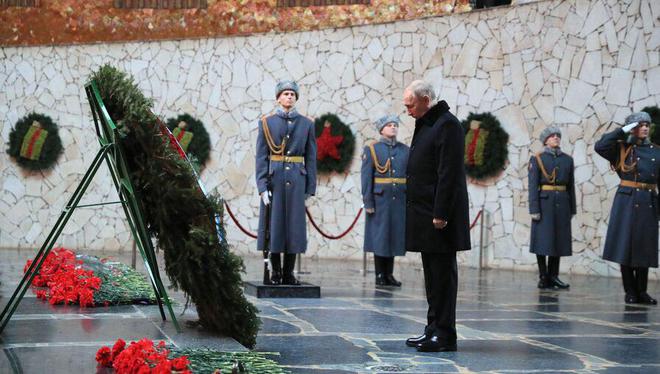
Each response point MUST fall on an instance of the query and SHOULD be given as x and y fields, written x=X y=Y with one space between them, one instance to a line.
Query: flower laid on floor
x=141 y=357
x=66 y=280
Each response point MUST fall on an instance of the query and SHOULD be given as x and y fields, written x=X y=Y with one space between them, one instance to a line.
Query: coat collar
x=433 y=114
x=387 y=141
x=634 y=140
x=287 y=115
x=552 y=151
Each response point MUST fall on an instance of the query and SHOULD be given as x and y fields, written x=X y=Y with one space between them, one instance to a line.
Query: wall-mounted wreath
x=34 y=142
x=192 y=136
x=335 y=144
x=485 y=146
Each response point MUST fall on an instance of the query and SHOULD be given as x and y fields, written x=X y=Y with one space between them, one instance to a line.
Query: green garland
x=345 y=148
x=178 y=214
x=195 y=139
x=486 y=151
x=654 y=112
x=35 y=143
x=204 y=360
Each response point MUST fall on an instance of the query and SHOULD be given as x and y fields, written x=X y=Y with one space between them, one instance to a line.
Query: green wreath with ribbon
x=192 y=136
x=335 y=144
x=654 y=112
x=35 y=143
x=485 y=146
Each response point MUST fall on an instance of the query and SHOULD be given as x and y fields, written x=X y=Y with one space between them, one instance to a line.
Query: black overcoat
x=437 y=186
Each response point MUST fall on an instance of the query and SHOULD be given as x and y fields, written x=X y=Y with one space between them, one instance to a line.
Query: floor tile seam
x=589 y=361
x=98 y=343
x=73 y=316
x=600 y=323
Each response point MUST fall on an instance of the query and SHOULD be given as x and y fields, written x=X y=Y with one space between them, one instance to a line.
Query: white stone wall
x=577 y=63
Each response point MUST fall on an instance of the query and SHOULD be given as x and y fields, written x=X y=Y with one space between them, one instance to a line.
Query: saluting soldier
x=384 y=197
x=552 y=205
x=632 y=233
x=286 y=176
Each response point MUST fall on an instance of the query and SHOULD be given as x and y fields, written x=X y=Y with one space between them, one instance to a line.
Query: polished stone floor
x=504 y=323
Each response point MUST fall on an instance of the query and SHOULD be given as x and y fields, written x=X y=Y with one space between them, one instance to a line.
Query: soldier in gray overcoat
x=384 y=197
x=552 y=205
x=286 y=176
x=632 y=233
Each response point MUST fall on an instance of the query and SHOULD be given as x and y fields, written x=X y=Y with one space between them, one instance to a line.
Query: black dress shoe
x=412 y=342
x=391 y=281
x=556 y=282
x=645 y=298
x=381 y=280
x=433 y=344
x=631 y=299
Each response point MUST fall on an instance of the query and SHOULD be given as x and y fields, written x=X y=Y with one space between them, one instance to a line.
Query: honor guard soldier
x=384 y=197
x=632 y=232
x=552 y=205
x=286 y=177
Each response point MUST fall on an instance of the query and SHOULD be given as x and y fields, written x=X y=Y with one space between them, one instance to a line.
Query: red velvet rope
x=476 y=219
x=333 y=237
x=233 y=218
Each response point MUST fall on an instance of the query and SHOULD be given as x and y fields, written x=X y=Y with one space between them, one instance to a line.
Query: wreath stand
x=111 y=153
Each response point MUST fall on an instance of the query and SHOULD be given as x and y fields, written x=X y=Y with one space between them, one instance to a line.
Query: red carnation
x=104 y=357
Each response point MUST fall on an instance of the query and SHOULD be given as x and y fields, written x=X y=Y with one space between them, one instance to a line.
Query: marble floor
x=505 y=325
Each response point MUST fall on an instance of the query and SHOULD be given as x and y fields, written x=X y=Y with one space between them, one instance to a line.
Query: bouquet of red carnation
x=141 y=357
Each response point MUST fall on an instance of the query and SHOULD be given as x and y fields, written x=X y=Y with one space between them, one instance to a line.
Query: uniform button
x=652 y=159
x=636 y=205
x=638 y=158
x=637 y=189
x=650 y=206
x=393 y=171
x=393 y=197
x=287 y=168
x=634 y=145
x=288 y=183
x=288 y=152
x=287 y=136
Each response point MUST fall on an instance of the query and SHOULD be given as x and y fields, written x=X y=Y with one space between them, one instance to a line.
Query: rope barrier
x=316 y=226
x=476 y=219
x=333 y=237
x=233 y=218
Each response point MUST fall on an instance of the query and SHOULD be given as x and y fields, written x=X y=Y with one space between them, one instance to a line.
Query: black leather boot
x=629 y=285
x=553 y=271
x=380 y=267
x=642 y=278
x=289 y=265
x=544 y=281
x=276 y=272
x=389 y=265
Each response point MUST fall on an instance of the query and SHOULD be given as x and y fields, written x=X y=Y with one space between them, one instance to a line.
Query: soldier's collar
x=293 y=113
x=388 y=141
x=553 y=151
x=634 y=140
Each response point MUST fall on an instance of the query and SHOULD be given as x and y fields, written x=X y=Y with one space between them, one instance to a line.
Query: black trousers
x=635 y=279
x=441 y=281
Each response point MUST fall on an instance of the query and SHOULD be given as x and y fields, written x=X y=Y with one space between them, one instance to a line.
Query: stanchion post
x=482 y=237
x=364 y=264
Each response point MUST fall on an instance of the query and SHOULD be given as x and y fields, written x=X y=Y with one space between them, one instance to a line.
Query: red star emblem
x=327 y=143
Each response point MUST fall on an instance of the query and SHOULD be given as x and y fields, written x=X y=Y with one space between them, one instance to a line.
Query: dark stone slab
x=357 y=321
x=549 y=327
x=628 y=351
x=273 y=326
x=312 y=350
x=356 y=292
x=496 y=355
x=82 y=330
x=650 y=316
x=585 y=307
x=75 y=359
x=317 y=371
x=32 y=305
x=259 y=290
x=501 y=314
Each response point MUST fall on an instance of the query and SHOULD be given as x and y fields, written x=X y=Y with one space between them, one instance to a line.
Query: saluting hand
x=439 y=223
x=629 y=127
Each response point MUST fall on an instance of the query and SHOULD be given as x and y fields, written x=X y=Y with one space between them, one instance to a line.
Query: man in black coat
x=436 y=210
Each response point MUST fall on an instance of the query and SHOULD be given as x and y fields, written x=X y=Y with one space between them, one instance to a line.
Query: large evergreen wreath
x=335 y=144
x=485 y=146
x=179 y=214
x=192 y=136
x=654 y=112
x=34 y=142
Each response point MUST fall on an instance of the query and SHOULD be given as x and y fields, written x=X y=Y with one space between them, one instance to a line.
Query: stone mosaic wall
x=578 y=64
